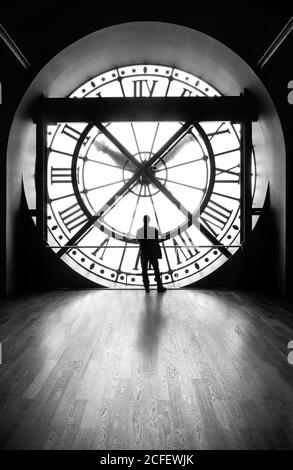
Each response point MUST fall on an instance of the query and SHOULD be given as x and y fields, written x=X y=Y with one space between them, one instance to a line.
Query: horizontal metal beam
x=223 y=108
x=137 y=246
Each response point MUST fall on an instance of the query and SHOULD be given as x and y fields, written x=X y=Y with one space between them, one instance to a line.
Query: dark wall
x=14 y=81
x=43 y=30
x=276 y=75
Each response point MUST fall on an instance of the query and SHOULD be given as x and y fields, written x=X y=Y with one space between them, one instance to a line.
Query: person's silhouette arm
x=159 y=236
x=137 y=238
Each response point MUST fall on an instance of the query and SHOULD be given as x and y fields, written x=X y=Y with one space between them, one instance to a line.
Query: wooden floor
x=189 y=369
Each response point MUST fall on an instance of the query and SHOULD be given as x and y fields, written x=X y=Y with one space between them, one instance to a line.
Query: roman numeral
x=219 y=131
x=136 y=261
x=187 y=242
x=73 y=217
x=186 y=92
x=228 y=171
x=103 y=246
x=215 y=216
x=73 y=133
x=144 y=87
x=60 y=175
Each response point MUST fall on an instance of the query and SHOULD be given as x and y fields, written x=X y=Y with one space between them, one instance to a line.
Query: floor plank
x=189 y=369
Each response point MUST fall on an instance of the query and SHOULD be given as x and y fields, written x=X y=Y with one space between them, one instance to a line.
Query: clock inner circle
x=144 y=187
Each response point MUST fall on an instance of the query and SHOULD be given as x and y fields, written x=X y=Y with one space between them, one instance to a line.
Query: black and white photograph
x=146 y=239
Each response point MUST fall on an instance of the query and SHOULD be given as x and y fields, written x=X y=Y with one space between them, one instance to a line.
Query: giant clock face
x=190 y=188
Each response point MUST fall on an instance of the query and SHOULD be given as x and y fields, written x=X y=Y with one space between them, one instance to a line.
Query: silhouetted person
x=150 y=252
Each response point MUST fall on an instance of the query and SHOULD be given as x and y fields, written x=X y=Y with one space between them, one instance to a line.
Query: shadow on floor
x=152 y=322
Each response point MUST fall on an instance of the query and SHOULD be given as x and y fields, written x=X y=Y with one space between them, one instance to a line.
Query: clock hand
x=177 y=137
x=157 y=156
x=174 y=139
x=198 y=159
x=131 y=182
x=190 y=217
x=169 y=148
x=174 y=149
x=92 y=219
x=144 y=169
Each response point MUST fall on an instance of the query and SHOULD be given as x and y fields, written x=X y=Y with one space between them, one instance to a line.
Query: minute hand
x=180 y=133
x=186 y=212
x=91 y=220
x=141 y=169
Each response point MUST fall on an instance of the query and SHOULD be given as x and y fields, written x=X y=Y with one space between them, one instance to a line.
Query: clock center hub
x=144 y=180
x=145 y=187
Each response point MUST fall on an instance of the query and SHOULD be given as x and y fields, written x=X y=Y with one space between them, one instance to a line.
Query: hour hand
x=178 y=136
x=174 y=149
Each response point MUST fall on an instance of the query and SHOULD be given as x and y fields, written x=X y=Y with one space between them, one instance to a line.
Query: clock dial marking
x=60 y=175
x=73 y=217
x=144 y=87
x=103 y=246
x=73 y=133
